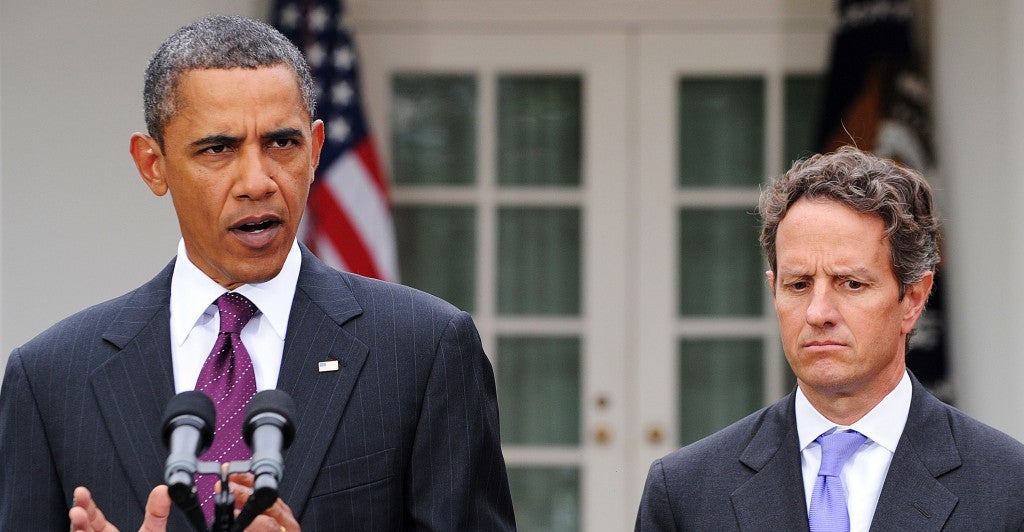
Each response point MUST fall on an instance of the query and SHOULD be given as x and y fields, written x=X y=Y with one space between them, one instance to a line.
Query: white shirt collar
x=882 y=425
x=193 y=294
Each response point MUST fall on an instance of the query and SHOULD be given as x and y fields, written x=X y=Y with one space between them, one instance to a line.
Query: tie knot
x=836 y=449
x=235 y=312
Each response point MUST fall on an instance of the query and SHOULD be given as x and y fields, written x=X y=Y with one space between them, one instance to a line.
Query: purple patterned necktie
x=227 y=377
x=828 y=511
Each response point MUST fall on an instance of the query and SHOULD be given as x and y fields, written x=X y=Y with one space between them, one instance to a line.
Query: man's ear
x=318 y=143
x=914 y=300
x=770 y=277
x=148 y=159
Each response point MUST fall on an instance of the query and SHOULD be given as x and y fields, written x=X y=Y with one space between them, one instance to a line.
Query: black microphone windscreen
x=191 y=403
x=272 y=402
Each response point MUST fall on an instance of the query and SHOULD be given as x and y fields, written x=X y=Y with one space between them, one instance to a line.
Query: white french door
x=511 y=191
x=744 y=108
x=586 y=191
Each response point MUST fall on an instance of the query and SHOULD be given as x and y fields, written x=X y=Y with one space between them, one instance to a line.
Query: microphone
x=268 y=430
x=188 y=426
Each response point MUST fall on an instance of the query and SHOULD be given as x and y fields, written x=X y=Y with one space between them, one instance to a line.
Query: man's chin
x=251 y=271
x=827 y=381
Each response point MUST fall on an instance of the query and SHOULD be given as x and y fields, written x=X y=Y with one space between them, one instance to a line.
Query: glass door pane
x=721 y=131
x=539 y=390
x=720 y=381
x=437 y=251
x=720 y=261
x=433 y=129
x=538 y=261
x=547 y=498
x=803 y=93
x=539 y=130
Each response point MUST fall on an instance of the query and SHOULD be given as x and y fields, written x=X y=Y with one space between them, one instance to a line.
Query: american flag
x=348 y=219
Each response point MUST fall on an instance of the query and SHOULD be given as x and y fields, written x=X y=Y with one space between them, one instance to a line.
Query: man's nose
x=822 y=310
x=255 y=178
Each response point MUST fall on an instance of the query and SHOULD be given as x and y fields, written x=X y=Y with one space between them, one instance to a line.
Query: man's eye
x=219 y=148
x=854 y=285
x=283 y=143
x=798 y=285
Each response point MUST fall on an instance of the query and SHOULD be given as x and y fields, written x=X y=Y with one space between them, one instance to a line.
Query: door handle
x=655 y=435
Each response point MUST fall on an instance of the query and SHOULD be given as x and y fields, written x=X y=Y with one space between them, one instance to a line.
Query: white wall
x=979 y=76
x=78 y=225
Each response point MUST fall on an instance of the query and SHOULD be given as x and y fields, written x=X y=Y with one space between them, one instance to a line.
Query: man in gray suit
x=396 y=425
x=851 y=241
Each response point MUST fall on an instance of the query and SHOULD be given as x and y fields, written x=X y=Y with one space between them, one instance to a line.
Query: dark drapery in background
x=876 y=97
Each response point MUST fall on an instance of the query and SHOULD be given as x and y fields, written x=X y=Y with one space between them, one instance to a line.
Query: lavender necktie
x=227 y=377
x=828 y=511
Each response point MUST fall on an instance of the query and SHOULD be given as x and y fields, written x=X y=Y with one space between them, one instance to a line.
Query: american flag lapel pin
x=327 y=365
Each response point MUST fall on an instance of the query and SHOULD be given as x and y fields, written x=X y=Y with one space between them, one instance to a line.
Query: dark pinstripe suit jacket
x=403 y=436
x=949 y=472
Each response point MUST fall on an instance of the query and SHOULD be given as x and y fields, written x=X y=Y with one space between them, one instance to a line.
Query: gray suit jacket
x=403 y=436
x=949 y=472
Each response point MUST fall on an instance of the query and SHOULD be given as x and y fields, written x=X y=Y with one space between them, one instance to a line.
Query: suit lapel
x=912 y=498
x=133 y=386
x=323 y=303
x=773 y=499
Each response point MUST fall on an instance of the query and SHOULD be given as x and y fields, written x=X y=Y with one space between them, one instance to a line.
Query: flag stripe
x=340 y=234
x=349 y=223
x=368 y=212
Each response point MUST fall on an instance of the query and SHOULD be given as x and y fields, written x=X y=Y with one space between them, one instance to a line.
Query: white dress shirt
x=195 y=320
x=864 y=473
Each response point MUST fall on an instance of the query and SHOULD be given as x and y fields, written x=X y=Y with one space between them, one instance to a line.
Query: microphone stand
x=269 y=410
x=224 y=502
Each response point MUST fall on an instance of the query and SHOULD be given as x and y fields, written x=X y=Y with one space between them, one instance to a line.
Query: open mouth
x=257 y=227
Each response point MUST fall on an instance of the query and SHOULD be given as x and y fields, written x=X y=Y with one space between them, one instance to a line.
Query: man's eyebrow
x=792 y=272
x=282 y=133
x=853 y=271
x=858 y=271
x=215 y=140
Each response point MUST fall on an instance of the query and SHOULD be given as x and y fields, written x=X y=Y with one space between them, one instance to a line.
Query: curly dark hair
x=868 y=184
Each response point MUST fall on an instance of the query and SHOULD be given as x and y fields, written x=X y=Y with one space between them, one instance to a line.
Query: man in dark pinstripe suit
x=396 y=421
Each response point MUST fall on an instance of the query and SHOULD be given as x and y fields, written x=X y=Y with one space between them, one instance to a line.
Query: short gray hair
x=216 y=42
x=869 y=185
